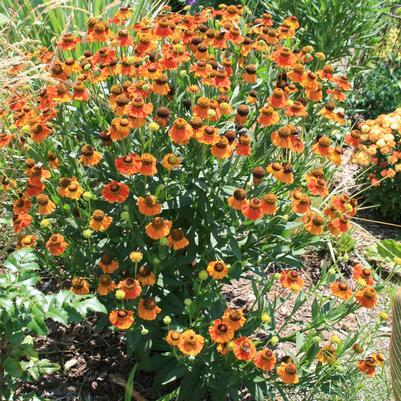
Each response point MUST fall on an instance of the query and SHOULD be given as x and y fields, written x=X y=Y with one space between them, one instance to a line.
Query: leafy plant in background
x=161 y=160
x=343 y=30
x=24 y=310
x=378 y=90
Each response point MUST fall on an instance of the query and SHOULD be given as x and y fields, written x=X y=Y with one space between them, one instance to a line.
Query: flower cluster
x=377 y=150
x=377 y=142
x=170 y=156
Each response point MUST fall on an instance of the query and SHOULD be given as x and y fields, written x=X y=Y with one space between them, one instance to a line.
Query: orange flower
x=99 y=221
x=173 y=338
x=115 y=192
x=265 y=359
x=106 y=284
x=238 y=199
x=301 y=204
x=181 y=132
x=5 y=139
x=148 y=309
x=269 y=204
x=286 y=175
x=26 y=241
x=139 y=109
x=191 y=343
x=243 y=145
x=291 y=279
x=368 y=366
x=119 y=128
x=160 y=85
x=163 y=116
x=122 y=319
x=367 y=297
x=254 y=209
x=177 y=239
x=283 y=57
x=79 y=286
x=147 y=165
x=158 y=228
x=201 y=108
x=244 y=349
x=234 y=318
x=22 y=205
x=364 y=274
x=131 y=288
x=145 y=276
x=171 y=161
x=46 y=206
x=250 y=74
x=222 y=149
x=288 y=373
x=68 y=41
x=242 y=114
x=39 y=132
x=108 y=264
x=208 y=135
x=148 y=205
x=220 y=332
x=342 y=82
x=296 y=109
x=21 y=220
x=268 y=116
x=258 y=174
x=313 y=223
x=318 y=186
x=80 y=92
x=322 y=146
x=56 y=245
x=70 y=188
x=297 y=74
x=89 y=156
x=327 y=354
x=128 y=165
x=341 y=290
x=217 y=270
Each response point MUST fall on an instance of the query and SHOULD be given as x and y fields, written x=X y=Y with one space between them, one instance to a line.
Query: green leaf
x=129 y=388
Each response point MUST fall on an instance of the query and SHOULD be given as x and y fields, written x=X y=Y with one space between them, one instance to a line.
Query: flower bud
x=87 y=195
x=167 y=320
x=120 y=294
x=358 y=349
x=154 y=126
x=266 y=318
x=45 y=223
x=183 y=73
x=211 y=113
x=203 y=275
x=124 y=216
x=335 y=339
x=397 y=261
x=383 y=316
x=87 y=233
x=274 y=340
x=144 y=332
x=187 y=302
x=136 y=256
x=276 y=276
x=332 y=271
x=316 y=339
